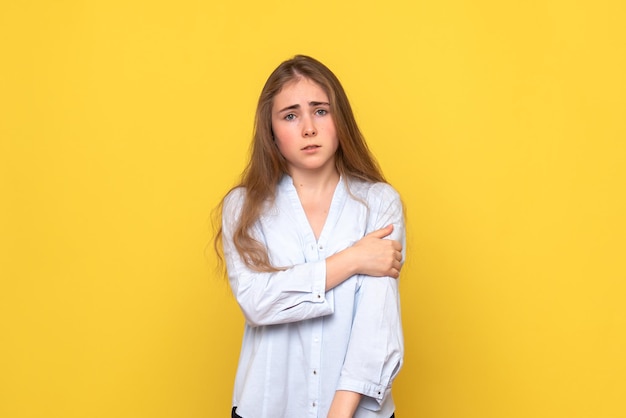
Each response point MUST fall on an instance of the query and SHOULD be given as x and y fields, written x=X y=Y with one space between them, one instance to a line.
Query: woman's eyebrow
x=292 y=107
x=319 y=104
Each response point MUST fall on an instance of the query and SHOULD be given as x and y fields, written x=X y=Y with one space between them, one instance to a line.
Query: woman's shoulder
x=234 y=199
x=372 y=192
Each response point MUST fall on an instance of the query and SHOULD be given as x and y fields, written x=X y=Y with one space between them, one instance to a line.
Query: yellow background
x=501 y=123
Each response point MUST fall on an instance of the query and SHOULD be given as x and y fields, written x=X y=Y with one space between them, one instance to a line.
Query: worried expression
x=304 y=129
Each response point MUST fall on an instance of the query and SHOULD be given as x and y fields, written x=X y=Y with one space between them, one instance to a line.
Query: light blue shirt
x=300 y=343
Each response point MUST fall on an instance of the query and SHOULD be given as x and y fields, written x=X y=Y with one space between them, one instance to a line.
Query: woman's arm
x=376 y=347
x=299 y=292
x=344 y=404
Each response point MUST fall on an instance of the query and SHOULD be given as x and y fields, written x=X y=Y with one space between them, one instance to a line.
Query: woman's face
x=304 y=129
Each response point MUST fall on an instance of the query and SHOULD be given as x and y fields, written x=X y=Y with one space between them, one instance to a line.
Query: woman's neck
x=315 y=182
x=316 y=193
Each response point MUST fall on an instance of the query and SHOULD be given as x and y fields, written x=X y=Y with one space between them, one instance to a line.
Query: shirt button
x=315 y=372
x=321 y=247
x=314 y=404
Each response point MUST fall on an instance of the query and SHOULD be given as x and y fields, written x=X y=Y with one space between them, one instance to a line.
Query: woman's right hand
x=372 y=255
x=376 y=256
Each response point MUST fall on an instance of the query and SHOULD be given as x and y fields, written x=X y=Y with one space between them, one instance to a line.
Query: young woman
x=313 y=242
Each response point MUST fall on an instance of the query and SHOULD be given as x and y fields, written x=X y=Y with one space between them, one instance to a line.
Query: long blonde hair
x=266 y=166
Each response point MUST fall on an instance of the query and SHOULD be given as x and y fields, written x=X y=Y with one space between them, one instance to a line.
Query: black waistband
x=234 y=414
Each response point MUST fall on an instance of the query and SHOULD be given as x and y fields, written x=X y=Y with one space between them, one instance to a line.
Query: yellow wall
x=501 y=123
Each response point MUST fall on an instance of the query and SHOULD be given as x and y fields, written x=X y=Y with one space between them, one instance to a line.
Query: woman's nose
x=310 y=131
x=309 y=127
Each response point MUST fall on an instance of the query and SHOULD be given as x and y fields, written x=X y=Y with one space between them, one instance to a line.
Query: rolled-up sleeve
x=376 y=347
x=266 y=298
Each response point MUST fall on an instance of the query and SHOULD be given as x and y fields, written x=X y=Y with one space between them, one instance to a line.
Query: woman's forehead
x=301 y=89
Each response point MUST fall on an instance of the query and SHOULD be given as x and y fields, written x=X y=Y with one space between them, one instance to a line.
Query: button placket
x=314 y=388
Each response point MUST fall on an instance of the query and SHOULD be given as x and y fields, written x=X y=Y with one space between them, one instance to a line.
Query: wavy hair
x=353 y=158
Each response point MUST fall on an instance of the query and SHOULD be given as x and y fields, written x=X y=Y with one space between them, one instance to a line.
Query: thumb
x=382 y=233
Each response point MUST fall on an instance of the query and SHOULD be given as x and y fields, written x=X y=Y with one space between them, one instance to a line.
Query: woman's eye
x=290 y=116
x=321 y=112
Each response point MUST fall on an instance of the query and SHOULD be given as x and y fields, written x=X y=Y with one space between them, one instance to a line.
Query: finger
x=382 y=233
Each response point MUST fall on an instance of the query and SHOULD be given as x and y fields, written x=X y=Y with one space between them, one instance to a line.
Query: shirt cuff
x=318 y=290
x=376 y=392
